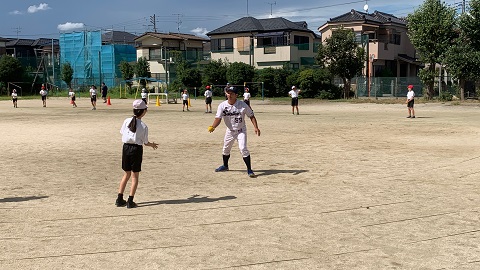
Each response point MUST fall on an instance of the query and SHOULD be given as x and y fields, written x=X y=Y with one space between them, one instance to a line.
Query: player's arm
x=152 y=144
x=255 y=125
x=215 y=124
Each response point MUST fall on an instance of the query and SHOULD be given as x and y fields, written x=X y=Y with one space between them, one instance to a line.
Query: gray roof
x=250 y=24
x=118 y=37
x=172 y=36
x=375 y=17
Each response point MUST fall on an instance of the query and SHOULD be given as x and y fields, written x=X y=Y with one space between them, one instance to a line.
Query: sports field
x=340 y=186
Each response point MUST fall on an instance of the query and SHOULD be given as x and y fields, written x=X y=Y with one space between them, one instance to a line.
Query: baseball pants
x=229 y=139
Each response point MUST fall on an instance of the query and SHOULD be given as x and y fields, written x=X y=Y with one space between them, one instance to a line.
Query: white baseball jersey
x=246 y=96
x=234 y=115
x=140 y=137
x=293 y=93
x=208 y=93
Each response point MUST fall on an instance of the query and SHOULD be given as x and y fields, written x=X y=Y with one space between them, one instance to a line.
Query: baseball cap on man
x=233 y=89
x=293 y=87
x=139 y=104
x=410 y=86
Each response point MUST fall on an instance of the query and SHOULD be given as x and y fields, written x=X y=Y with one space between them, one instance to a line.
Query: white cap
x=293 y=87
x=139 y=104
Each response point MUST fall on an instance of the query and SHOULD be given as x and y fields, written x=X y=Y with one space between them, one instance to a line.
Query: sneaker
x=210 y=112
x=413 y=116
x=131 y=205
x=251 y=174
x=409 y=117
x=120 y=203
x=221 y=169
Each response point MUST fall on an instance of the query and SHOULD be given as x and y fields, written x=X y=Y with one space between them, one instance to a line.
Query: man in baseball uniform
x=233 y=112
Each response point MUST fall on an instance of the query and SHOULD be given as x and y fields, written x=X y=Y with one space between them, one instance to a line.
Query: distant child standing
x=410 y=102
x=208 y=99
x=246 y=96
x=185 y=99
x=93 y=97
x=144 y=95
x=104 y=92
x=44 y=94
x=71 y=94
x=294 y=94
x=134 y=135
x=14 y=98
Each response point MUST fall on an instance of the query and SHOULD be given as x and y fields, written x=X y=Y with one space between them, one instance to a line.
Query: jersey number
x=238 y=120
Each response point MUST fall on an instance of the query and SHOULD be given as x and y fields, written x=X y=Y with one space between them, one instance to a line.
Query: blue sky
x=47 y=18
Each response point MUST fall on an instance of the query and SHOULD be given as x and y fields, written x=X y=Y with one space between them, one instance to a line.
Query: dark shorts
x=44 y=97
x=104 y=94
x=93 y=98
x=14 y=99
x=410 y=103
x=144 y=100
x=185 y=102
x=73 y=98
x=132 y=156
x=208 y=100
x=295 y=101
x=247 y=101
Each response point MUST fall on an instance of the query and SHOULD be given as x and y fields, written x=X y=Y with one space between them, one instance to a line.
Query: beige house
x=262 y=43
x=157 y=48
x=389 y=48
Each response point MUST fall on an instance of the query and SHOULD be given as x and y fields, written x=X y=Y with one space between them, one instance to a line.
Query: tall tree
x=238 y=73
x=142 y=69
x=127 y=71
x=10 y=69
x=215 y=72
x=431 y=31
x=67 y=74
x=342 y=56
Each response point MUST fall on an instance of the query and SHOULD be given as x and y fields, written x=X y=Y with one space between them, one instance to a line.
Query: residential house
x=389 y=48
x=262 y=43
x=158 y=47
x=3 y=42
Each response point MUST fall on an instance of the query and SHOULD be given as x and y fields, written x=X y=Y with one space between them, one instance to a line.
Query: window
x=395 y=39
x=302 y=42
x=271 y=39
x=154 y=54
x=222 y=45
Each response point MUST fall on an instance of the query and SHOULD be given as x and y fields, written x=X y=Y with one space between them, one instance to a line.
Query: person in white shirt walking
x=44 y=93
x=208 y=99
x=294 y=94
x=233 y=112
x=185 y=99
x=14 y=98
x=134 y=135
x=93 y=97
x=144 y=95
x=410 y=102
x=247 y=96
x=71 y=94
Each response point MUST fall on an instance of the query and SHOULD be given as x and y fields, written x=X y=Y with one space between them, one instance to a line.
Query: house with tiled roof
x=118 y=37
x=157 y=48
x=3 y=42
x=262 y=43
x=389 y=48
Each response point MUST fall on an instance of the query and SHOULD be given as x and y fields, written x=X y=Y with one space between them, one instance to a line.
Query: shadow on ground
x=192 y=199
x=22 y=199
x=272 y=172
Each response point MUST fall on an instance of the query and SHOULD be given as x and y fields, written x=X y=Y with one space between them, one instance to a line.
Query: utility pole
x=179 y=22
x=153 y=21
x=463 y=6
x=247 y=8
x=17 y=30
x=271 y=7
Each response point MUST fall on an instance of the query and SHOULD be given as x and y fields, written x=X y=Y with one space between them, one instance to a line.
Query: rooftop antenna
x=247 y=8
x=271 y=5
x=17 y=30
x=179 y=22
x=366 y=6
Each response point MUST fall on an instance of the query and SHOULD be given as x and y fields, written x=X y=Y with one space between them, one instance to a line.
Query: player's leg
x=242 y=145
x=228 y=141
x=133 y=190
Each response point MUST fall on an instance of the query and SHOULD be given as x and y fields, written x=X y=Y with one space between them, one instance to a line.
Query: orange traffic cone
x=108 y=101
x=158 y=102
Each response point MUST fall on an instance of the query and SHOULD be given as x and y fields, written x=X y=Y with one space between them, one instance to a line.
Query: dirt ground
x=340 y=186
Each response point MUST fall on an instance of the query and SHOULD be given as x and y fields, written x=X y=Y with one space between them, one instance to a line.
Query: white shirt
x=93 y=92
x=410 y=94
x=43 y=92
x=246 y=96
x=208 y=93
x=140 y=137
x=234 y=115
x=185 y=96
x=294 y=93
x=71 y=94
x=144 y=95
x=14 y=95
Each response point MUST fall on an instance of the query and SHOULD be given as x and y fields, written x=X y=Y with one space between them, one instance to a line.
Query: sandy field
x=340 y=186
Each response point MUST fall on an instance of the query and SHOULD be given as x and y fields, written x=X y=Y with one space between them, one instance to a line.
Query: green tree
x=127 y=71
x=431 y=31
x=67 y=74
x=11 y=69
x=462 y=59
x=142 y=69
x=191 y=77
x=342 y=56
x=215 y=72
x=238 y=73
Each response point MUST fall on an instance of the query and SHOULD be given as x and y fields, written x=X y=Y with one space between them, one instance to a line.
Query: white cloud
x=70 y=26
x=15 y=12
x=40 y=7
x=200 y=31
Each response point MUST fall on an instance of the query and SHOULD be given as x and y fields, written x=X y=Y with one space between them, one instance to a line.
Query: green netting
x=91 y=61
